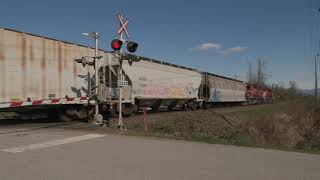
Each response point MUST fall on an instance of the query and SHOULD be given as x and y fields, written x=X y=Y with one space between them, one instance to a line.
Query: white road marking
x=52 y=143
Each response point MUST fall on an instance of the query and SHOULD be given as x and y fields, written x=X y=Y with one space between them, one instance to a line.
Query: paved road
x=62 y=153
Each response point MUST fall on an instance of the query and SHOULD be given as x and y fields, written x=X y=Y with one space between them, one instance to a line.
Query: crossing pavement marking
x=52 y=143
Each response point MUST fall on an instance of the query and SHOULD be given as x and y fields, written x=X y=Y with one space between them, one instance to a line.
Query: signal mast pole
x=96 y=117
x=120 y=123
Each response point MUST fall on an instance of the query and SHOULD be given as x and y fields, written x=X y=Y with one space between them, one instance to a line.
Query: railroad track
x=25 y=126
x=169 y=112
x=47 y=123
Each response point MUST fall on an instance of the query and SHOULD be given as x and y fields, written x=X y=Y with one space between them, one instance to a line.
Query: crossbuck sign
x=123 y=25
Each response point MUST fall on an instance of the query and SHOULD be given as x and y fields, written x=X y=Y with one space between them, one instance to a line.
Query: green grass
x=208 y=128
x=243 y=141
x=238 y=139
x=261 y=111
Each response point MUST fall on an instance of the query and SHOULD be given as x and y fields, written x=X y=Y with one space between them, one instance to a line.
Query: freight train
x=39 y=74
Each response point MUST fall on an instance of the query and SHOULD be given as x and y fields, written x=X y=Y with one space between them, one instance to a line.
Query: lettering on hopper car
x=160 y=90
x=178 y=91
x=156 y=90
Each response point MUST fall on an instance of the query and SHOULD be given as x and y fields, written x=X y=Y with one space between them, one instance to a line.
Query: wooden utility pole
x=316 y=73
x=316 y=78
x=250 y=72
x=259 y=71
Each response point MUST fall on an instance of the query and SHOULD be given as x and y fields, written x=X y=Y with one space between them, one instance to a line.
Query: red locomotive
x=256 y=94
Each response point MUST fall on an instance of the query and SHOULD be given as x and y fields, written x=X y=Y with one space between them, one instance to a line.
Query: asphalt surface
x=51 y=151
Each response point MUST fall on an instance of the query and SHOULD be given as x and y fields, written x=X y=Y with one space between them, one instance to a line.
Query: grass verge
x=293 y=126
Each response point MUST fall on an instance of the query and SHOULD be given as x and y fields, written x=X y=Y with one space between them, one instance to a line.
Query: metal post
x=120 y=80
x=120 y=94
x=110 y=80
x=104 y=75
x=96 y=118
x=88 y=95
x=145 y=119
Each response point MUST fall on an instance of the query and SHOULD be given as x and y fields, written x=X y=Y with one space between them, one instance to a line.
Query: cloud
x=215 y=46
x=236 y=49
x=207 y=46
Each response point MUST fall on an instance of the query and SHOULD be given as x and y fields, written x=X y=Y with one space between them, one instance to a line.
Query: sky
x=218 y=36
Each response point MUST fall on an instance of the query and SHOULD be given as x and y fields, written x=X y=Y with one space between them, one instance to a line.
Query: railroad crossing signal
x=123 y=25
x=116 y=44
x=131 y=47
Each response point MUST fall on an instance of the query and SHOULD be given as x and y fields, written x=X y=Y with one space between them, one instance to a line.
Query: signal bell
x=116 y=44
x=132 y=46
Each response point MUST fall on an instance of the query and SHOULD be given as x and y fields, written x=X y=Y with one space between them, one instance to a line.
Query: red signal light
x=116 y=44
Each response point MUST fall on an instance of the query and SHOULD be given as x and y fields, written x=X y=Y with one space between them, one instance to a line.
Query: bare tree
x=249 y=74
x=293 y=85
